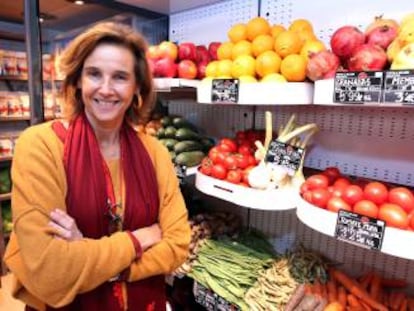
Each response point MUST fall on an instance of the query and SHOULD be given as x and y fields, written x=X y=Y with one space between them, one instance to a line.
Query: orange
x=261 y=44
x=224 y=50
x=257 y=26
x=312 y=46
x=288 y=42
x=224 y=68
x=276 y=30
x=274 y=77
x=247 y=79
x=237 y=33
x=301 y=24
x=293 y=68
x=267 y=63
x=211 y=69
x=242 y=47
x=307 y=35
x=243 y=65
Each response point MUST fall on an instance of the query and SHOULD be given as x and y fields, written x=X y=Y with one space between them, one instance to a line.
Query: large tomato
x=366 y=208
x=206 y=166
x=376 y=191
x=218 y=171
x=332 y=172
x=234 y=176
x=341 y=182
x=320 y=197
x=230 y=162
x=317 y=181
x=242 y=160
x=402 y=197
x=227 y=144
x=393 y=215
x=352 y=194
x=337 y=203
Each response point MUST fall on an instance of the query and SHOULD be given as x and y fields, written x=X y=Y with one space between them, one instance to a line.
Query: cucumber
x=169 y=143
x=186 y=134
x=189 y=158
x=166 y=121
x=187 y=145
x=179 y=122
x=173 y=155
x=170 y=132
x=161 y=133
x=207 y=143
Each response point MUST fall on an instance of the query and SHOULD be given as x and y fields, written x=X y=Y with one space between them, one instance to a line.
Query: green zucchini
x=187 y=145
x=186 y=134
x=189 y=158
x=169 y=143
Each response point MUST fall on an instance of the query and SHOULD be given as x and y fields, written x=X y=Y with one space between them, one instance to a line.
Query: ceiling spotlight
x=79 y=2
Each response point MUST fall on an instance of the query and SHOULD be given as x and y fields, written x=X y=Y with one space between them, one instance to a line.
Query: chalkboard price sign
x=399 y=87
x=285 y=155
x=225 y=91
x=358 y=87
x=361 y=230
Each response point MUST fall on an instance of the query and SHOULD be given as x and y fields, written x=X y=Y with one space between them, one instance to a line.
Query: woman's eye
x=94 y=74
x=120 y=77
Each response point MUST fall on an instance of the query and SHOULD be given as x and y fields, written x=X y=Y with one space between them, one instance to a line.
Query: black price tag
x=358 y=87
x=181 y=172
x=399 y=87
x=205 y=297
x=361 y=230
x=225 y=91
x=285 y=155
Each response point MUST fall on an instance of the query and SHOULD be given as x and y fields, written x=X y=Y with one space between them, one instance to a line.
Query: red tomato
x=332 y=172
x=227 y=144
x=393 y=215
x=303 y=188
x=411 y=218
x=376 y=192
x=240 y=135
x=213 y=153
x=206 y=166
x=218 y=171
x=245 y=149
x=366 y=208
x=352 y=194
x=234 y=176
x=245 y=174
x=336 y=203
x=320 y=197
x=341 y=182
x=317 y=181
x=252 y=160
x=230 y=162
x=402 y=197
x=337 y=191
x=242 y=160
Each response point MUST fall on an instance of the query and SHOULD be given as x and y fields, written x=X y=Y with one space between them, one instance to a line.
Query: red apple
x=212 y=49
x=151 y=65
x=201 y=70
x=187 y=50
x=165 y=67
x=168 y=49
x=153 y=52
x=202 y=54
x=187 y=69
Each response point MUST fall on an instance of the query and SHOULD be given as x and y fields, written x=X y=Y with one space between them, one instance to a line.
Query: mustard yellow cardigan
x=53 y=271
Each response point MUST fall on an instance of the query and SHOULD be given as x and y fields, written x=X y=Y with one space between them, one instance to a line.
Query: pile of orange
x=257 y=49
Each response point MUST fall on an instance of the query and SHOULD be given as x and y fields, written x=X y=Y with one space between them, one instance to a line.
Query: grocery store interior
x=290 y=127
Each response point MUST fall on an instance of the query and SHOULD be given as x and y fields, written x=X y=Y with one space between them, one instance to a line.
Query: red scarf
x=87 y=203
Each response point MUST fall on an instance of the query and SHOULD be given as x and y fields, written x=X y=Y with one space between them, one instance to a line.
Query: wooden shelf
x=5 y=197
x=6 y=159
x=14 y=118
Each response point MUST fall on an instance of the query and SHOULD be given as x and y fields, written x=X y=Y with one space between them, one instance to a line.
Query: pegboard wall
x=326 y=16
x=210 y=23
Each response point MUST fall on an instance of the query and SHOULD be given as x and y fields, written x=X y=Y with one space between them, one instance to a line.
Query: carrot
x=309 y=302
x=410 y=304
x=365 y=306
x=317 y=288
x=404 y=305
x=353 y=301
x=365 y=280
x=375 y=286
x=332 y=290
x=342 y=296
x=396 y=299
x=353 y=287
x=334 y=306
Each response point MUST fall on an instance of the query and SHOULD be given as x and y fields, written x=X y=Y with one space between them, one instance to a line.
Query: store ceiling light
x=79 y=2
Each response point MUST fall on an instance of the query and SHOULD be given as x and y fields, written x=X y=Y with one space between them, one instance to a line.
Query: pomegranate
x=322 y=65
x=368 y=57
x=382 y=36
x=345 y=40
x=381 y=22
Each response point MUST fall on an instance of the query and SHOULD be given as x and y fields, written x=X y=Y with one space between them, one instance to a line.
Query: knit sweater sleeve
x=172 y=251
x=51 y=269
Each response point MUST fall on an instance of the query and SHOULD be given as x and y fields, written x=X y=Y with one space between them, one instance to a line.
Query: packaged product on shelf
x=25 y=104
x=6 y=146
x=10 y=63
x=49 y=104
x=21 y=63
x=1 y=62
x=14 y=105
x=4 y=110
x=47 y=65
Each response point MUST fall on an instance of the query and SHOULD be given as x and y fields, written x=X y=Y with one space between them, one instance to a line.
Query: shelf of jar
x=396 y=242
x=271 y=200
x=324 y=94
x=259 y=93
x=5 y=197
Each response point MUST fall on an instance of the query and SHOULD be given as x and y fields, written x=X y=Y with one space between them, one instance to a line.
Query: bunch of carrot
x=344 y=293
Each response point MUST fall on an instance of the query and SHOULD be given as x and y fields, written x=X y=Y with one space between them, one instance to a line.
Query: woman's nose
x=106 y=86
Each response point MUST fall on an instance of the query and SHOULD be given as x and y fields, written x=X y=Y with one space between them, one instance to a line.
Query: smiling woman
x=99 y=216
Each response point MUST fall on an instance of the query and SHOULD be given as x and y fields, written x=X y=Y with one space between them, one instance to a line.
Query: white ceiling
x=167 y=6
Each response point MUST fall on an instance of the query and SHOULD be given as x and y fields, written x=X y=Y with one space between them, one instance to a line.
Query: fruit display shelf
x=395 y=242
x=269 y=93
x=5 y=197
x=324 y=93
x=166 y=84
x=271 y=200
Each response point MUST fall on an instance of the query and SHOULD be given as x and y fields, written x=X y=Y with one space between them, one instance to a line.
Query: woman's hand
x=148 y=236
x=64 y=226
